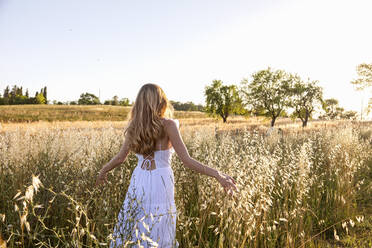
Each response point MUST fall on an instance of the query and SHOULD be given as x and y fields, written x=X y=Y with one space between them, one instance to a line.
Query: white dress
x=148 y=214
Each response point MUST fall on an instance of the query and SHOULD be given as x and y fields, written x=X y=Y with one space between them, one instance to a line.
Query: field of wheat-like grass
x=43 y=112
x=297 y=187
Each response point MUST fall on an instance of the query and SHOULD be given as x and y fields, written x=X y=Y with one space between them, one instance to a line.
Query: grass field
x=40 y=112
x=298 y=188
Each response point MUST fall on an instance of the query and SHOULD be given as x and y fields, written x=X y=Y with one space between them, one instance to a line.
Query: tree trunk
x=224 y=116
x=273 y=121
x=304 y=122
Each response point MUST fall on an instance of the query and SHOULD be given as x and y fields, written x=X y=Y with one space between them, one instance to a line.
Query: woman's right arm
x=179 y=146
x=114 y=162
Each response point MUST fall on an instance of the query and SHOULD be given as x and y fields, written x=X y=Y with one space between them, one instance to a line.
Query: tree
x=88 y=99
x=124 y=102
x=332 y=110
x=268 y=92
x=19 y=91
x=40 y=99
x=6 y=96
x=364 y=79
x=115 y=100
x=351 y=115
x=222 y=100
x=44 y=91
x=363 y=82
x=305 y=96
x=13 y=93
x=6 y=92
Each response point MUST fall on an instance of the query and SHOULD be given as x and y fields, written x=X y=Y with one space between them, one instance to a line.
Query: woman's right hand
x=101 y=178
x=227 y=182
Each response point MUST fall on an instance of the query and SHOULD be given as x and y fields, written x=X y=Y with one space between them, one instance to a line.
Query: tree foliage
x=40 y=99
x=124 y=102
x=305 y=97
x=187 y=106
x=332 y=109
x=222 y=100
x=116 y=102
x=363 y=82
x=364 y=79
x=268 y=92
x=88 y=99
x=15 y=96
x=351 y=115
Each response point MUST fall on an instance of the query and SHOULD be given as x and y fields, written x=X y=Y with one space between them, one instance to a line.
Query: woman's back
x=160 y=158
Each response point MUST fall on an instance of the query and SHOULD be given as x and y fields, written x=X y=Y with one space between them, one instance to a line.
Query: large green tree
x=268 y=92
x=305 y=97
x=222 y=100
x=88 y=99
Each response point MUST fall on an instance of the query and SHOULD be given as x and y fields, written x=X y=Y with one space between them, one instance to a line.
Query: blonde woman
x=148 y=214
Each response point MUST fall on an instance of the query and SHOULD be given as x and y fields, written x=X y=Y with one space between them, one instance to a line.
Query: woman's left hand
x=101 y=178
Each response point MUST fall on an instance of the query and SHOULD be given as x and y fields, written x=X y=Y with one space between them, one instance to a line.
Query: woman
x=148 y=214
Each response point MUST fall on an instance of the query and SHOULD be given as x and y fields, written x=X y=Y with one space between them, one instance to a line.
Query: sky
x=113 y=47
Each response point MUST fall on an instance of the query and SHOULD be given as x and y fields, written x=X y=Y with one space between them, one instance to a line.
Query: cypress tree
x=6 y=92
x=13 y=93
x=45 y=94
x=19 y=91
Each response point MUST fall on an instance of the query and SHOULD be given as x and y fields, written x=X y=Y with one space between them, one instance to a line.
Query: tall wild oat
x=296 y=188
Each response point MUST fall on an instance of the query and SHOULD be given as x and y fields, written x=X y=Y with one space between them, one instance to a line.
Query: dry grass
x=298 y=188
x=39 y=112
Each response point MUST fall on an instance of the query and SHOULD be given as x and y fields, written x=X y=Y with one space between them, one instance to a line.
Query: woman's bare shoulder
x=170 y=123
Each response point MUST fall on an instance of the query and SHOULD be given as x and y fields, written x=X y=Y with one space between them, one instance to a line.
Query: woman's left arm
x=114 y=162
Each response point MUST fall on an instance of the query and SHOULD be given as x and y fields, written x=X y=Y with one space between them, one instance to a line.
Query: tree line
x=15 y=95
x=91 y=99
x=273 y=93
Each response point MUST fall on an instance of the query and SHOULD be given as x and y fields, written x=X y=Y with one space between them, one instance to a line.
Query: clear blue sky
x=76 y=46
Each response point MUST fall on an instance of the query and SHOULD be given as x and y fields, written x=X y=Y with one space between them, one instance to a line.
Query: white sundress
x=148 y=214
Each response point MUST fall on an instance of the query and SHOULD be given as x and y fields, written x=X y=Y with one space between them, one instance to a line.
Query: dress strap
x=148 y=162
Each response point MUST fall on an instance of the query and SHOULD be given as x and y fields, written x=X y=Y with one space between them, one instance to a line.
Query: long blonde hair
x=145 y=126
